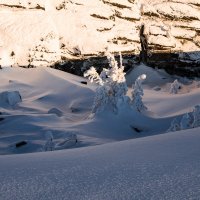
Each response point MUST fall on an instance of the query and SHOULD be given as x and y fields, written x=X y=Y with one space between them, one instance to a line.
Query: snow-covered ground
x=158 y=167
x=57 y=102
x=94 y=162
x=129 y=154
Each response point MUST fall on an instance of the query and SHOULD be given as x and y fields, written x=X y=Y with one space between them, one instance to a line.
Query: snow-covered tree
x=93 y=76
x=112 y=85
x=196 y=116
x=175 y=86
x=186 y=122
x=137 y=94
x=174 y=126
x=49 y=145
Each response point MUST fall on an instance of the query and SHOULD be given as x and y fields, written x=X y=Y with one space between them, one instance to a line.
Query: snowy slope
x=49 y=89
x=127 y=155
x=157 y=167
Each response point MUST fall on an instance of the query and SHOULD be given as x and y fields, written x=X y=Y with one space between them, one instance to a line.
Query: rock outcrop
x=61 y=31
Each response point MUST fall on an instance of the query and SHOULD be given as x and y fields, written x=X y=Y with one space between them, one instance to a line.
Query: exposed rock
x=177 y=11
x=130 y=14
x=84 y=82
x=197 y=40
x=193 y=25
x=149 y=10
x=20 y=144
x=119 y=3
x=171 y=28
x=194 y=2
x=161 y=42
x=183 y=33
x=158 y=30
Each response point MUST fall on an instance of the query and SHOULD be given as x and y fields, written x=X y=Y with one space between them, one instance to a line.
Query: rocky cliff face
x=60 y=31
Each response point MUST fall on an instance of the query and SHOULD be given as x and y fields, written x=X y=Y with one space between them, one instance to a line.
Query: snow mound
x=55 y=111
x=10 y=97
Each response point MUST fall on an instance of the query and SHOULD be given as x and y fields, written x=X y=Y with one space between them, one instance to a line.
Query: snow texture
x=163 y=166
x=158 y=167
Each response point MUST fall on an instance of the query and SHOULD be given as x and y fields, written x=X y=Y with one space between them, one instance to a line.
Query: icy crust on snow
x=45 y=32
x=158 y=167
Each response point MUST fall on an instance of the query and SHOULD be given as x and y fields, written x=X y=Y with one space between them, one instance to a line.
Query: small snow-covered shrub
x=186 y=122
x=191 y=120
x=68 y=142
x=10 y=97
x=112 y=85
x=196 y=116
x=175 y=87
x=137 y=94
x=49 y=145
x=174 y=126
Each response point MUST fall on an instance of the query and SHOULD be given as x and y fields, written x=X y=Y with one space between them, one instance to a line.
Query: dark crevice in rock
x=99 y=16
x=13 y=6
x=171 y=62
x=38 y=7
x=182 y=18
x=116 y=4
x=126 y=18
x=151 y=14
x=78 y=67
x=104 y=29
x=144 y=45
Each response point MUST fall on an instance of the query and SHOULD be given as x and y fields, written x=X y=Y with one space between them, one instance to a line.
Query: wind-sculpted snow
x=58 y=102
